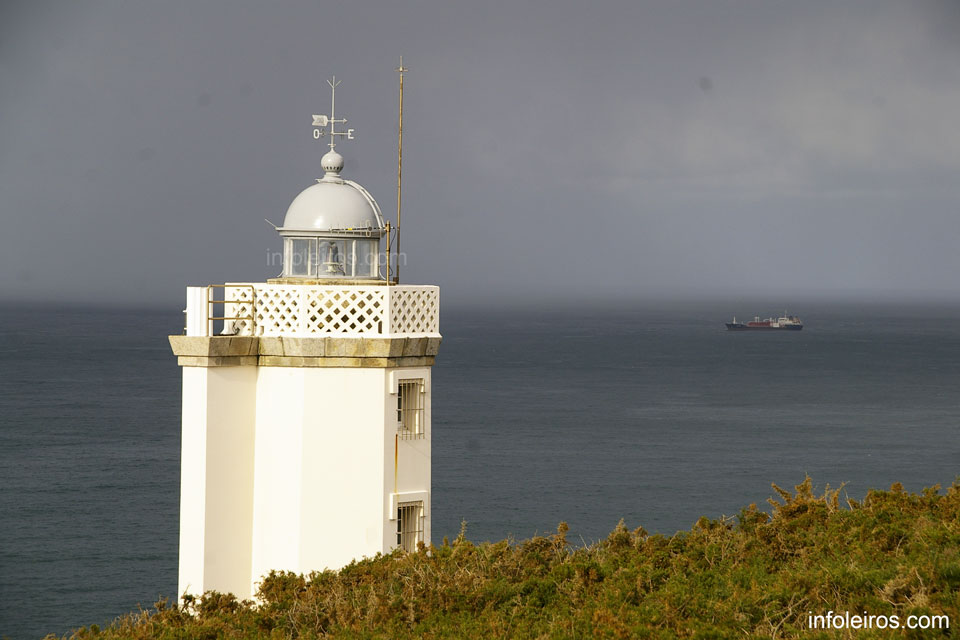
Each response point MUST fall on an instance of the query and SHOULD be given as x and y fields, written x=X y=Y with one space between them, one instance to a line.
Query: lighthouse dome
x=333 y=204
x=332 y=229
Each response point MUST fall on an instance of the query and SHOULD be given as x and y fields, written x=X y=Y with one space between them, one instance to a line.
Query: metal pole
x=400 y=69
x=388 y=252
x=333 y=112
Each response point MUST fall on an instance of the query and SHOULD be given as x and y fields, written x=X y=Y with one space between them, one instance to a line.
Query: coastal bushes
x=758 y=574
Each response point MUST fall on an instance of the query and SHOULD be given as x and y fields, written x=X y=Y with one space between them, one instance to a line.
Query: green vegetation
x=756 y=575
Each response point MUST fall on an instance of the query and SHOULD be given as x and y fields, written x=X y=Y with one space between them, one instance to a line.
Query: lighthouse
x=306 y=422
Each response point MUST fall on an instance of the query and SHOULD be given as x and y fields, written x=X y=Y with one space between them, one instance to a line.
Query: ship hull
x=743 y=327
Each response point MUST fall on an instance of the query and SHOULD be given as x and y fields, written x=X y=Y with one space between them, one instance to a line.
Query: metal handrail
x=252 y=302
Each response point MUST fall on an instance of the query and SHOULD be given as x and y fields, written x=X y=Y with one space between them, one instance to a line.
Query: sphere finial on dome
x=332 y=163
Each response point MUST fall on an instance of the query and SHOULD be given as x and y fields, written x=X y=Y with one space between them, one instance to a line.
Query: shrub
x=759 y=574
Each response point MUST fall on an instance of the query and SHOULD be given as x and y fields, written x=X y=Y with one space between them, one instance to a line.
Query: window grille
x=409 y=525
x=410 y=405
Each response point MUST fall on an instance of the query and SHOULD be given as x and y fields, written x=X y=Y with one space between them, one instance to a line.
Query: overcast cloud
x=610 y=149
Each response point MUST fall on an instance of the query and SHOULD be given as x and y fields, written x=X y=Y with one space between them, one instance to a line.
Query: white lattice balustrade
x=414 y=310
x=262 y=309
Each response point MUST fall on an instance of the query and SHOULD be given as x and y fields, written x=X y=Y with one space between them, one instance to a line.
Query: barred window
x=410 y=423
x=409 y=525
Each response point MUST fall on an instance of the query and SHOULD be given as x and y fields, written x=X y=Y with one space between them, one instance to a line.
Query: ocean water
x=653 y=414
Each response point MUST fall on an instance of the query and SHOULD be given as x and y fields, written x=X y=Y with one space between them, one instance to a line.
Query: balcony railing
x=262 y=309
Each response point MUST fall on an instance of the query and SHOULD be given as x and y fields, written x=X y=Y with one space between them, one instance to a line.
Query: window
x=409 y=525
x=367 y=253
x=331 y=257
x=300 y=257
x=410 y=423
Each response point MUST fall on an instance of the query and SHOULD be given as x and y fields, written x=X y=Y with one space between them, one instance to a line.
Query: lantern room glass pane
x=349 y=266
x=331 y=256
x=301 y=257
x=366 y=258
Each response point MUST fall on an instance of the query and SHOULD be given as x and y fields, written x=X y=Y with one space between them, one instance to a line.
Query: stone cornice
x=227 y=351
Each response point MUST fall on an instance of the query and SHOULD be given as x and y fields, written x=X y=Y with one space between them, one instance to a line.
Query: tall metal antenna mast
x=400 y=70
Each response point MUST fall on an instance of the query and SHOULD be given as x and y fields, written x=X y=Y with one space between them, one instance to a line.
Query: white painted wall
x=277 y=476
x=216 y=479
x=292 y=468
x=343 y=461
x=319 y=464
x=193 y=480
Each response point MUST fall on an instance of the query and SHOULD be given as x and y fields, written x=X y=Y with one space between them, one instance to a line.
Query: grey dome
x=332 y=205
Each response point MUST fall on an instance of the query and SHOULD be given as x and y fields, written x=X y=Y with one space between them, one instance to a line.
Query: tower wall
x=216 y=478
x=407 y=468
x=293 y=458
x=319 y=467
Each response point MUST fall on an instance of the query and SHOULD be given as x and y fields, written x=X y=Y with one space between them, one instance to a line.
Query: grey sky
x=609 y=149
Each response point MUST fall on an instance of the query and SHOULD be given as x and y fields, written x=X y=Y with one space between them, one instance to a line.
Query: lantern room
x=332 y=229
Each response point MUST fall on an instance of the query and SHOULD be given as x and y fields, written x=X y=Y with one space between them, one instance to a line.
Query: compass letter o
x=316 y=134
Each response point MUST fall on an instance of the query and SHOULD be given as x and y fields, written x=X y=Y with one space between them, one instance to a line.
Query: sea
x=652 y=414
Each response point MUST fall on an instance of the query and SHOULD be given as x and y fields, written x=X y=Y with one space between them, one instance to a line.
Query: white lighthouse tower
x=306 y=400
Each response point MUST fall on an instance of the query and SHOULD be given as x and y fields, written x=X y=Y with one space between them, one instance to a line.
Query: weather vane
x=321 y=121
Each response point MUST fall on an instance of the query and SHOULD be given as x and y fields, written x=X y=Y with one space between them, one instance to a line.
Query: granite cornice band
x=327 y=351
x=335 y=361
x=213 y=347
x=217 y=361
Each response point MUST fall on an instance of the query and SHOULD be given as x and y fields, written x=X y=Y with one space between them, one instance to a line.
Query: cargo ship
x=783 y=323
